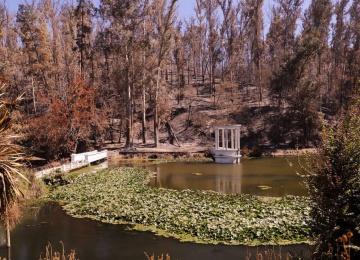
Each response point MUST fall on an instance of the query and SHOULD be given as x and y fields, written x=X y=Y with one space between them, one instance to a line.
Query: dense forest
x=80 y=68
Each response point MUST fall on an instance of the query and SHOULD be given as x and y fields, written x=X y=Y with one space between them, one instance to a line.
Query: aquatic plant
x=120 y=195
x=159 y=257
x=269 y=254
x=50 y=255
x=56 y=179
x=265 y=187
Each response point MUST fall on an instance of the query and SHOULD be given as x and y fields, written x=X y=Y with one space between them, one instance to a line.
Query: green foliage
x=33 y=189
x=333 y=181
x=56 y=179
x=121 y=195
x=296 y=91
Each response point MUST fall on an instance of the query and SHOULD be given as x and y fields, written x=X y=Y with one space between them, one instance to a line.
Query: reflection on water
x=245 y=177
x=93 y=240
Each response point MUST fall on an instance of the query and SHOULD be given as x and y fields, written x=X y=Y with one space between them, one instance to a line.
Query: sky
x=185 y=8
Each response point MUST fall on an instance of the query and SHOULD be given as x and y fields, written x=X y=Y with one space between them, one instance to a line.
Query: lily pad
x=264 y=187
x=121 y=196
x=197 y=173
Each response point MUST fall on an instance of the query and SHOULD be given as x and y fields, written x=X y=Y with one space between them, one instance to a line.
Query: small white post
x=73 y=158
x=63 y=168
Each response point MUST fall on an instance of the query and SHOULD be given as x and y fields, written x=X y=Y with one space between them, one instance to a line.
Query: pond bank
x=188 y=151
x=121 y=196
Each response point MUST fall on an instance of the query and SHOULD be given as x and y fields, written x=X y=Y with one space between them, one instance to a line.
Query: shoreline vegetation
x=121 y=196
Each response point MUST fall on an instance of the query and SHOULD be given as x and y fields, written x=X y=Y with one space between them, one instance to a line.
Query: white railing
x=79 y=157
x=92 y=157
x=77 y=160
x=87 y=158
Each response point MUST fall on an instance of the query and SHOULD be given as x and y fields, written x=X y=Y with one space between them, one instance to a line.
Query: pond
x=93 y=240
x=264 y=176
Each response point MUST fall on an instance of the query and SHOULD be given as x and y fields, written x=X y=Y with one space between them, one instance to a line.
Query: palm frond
x=11 y=158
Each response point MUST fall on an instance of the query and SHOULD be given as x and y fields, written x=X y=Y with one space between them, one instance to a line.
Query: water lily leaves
x=197 y=173
x=121 y=195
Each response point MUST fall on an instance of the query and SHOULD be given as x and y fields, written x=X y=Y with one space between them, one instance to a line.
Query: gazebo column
x=217 y=138
x=236 y=139
x=223 y=138
x=226 y=138
x=232 y=139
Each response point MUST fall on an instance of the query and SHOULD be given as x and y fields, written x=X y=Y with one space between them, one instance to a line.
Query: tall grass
x=268 y=254
x=158 y=258
x=49 y=255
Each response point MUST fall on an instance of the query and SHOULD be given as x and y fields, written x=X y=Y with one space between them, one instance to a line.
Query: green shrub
x=57 y=179
x=333 y=181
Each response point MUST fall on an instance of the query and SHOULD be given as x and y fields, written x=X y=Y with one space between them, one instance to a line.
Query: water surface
x=245 y=177
x=93 y=240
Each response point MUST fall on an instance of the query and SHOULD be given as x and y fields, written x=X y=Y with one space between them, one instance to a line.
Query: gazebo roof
x=226 y=126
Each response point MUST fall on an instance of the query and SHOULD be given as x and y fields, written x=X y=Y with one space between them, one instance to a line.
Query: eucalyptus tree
x=179 y=57
x=298 y=80
x=242 y=45
x=83 y=16
x=213 y=41
x=69 y=65
x=192 y=39
x=340 y=44
x=302 y=88
x=50 y=15
x=35 y=47
x=280 y=41
x=252 y=10
x=316 y=26
x=126 y=27
x=163 y=17
x=229 y=33
x=10 y=53
x=201 y=32
x=353 y=56
x=317 y=17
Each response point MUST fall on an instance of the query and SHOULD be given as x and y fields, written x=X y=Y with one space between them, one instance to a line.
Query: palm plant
x=11 y=160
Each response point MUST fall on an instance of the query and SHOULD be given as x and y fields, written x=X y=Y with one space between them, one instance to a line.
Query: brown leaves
x=70 y=119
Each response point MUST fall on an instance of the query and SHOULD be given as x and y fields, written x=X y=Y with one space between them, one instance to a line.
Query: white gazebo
x=227 y=144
